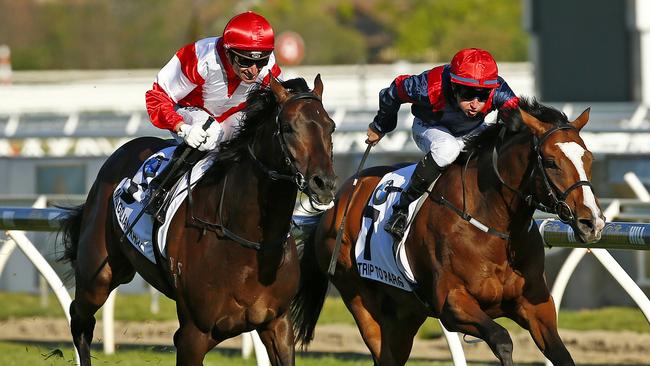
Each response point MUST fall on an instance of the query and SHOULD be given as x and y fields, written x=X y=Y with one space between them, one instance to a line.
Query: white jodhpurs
x=444 y=146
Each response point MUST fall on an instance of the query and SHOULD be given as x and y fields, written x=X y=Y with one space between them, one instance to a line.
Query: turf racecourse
x=22 y=353
x=135 y=308
x=53 y=354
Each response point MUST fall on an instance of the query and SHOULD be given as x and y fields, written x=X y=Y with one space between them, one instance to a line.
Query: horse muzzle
x=589 y=229
x=322 y=188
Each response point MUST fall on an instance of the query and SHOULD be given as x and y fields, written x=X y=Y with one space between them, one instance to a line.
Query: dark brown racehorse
x=229 y=263
x=466 y=277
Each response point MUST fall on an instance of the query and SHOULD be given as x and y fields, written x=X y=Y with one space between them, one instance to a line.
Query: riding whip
x=154 y=195
x=339 y=234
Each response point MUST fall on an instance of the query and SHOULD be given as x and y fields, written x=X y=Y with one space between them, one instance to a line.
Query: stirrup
x=396 y=224
x=154 y=208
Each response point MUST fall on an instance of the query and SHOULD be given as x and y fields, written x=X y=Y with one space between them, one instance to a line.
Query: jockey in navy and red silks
x=211 y=78
x=449 y=104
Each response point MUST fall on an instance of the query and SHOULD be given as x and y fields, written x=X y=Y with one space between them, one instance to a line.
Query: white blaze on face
x=574 y=152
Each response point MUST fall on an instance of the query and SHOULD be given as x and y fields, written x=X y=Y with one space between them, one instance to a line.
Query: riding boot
x=165 y=180
x=426 y=172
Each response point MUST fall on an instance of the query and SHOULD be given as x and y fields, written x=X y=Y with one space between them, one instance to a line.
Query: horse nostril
x=587 y=223
x=318 y=182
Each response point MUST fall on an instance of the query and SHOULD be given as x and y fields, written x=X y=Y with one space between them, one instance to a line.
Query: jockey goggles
x=246 y=59
x=467 y=93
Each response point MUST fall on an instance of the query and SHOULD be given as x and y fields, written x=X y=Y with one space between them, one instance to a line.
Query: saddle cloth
x=374 y=247
x=141 y=236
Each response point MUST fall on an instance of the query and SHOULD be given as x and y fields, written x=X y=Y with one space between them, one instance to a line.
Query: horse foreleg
x=388 y=335
x=364 y=306
x=277 y=336
x=192 y=344
x=462 y=313
x=541 y=321
x=398 y=335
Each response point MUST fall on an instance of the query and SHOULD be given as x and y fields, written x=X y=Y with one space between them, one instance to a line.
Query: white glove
x=193 y=135
x=215 y=135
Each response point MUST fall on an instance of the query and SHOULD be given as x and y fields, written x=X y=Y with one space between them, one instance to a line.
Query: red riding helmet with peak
x=249 y=35
x=474 y=67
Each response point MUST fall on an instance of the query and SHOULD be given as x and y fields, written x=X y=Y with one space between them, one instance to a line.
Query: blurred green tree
x=113 y=34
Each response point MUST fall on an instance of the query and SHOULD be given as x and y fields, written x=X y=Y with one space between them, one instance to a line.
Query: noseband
x=557 y=197
x=296 y=176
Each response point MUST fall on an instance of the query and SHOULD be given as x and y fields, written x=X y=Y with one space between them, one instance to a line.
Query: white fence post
x=44 y=268
x=455 y=347
x=108 y=322
x=637 y=186
x=154 y=303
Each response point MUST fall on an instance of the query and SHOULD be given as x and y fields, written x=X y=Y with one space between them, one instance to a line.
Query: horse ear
x=318 y=86
x=281 y=94
x=533 y=123
x=582 y=119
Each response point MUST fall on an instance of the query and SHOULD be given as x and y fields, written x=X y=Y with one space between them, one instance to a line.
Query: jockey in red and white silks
x=208 y=78
x=449 y=104
x=200 y=81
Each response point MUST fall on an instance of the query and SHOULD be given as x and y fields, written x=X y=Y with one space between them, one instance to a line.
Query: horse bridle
x=296 y=176
x=558 y=198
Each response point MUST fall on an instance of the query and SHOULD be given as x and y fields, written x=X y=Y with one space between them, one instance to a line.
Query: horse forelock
x=260 y=108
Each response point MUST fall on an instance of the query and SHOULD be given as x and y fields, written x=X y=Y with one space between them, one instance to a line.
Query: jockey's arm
x=177 y=79
x=160 y=108
x=505 y=100
x=404 y=89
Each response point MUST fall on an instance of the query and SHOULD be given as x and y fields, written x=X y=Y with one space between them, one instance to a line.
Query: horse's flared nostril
x=323 y=188
x=586 y=224
x=590 y=228
x=322 y=183
x=318 y=182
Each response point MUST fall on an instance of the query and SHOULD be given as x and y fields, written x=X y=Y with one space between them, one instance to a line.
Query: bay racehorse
x=466 y=277
x=229 y=264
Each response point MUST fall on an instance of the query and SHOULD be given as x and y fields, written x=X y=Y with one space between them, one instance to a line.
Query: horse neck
x=267 y=201
x=504 y=206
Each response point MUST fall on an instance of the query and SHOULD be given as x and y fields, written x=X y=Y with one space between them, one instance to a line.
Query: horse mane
x=260 y=109
x=512 y=120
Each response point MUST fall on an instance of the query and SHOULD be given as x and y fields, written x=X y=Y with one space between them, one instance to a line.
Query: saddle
x=131 y=196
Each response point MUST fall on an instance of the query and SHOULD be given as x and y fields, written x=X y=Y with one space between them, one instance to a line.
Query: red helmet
x=474 y=67
x=248 y=32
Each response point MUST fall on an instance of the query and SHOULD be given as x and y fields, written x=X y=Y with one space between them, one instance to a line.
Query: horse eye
x=286 y=128
x=550 y=164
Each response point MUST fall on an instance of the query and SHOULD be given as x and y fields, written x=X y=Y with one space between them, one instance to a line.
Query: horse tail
x=308 y=302
x=70 y=230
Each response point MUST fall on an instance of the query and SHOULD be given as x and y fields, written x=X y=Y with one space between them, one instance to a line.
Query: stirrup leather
x=154 y=208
